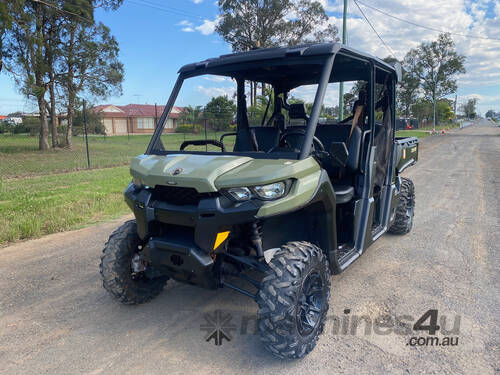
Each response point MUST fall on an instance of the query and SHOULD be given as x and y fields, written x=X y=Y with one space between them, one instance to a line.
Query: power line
x=426 y=27
x=167 y=9
x=373 y=28
x=62 y=10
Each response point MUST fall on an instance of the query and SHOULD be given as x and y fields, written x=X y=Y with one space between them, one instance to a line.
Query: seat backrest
x=340 y=133
x=297 y=111
x=354 y=148
x=267 y=137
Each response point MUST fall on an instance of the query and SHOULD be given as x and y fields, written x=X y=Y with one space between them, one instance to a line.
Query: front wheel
x=119 y=256
x=403 y=222
x=293 y=300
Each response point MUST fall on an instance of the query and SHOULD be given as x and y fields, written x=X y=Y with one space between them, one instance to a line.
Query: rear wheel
x=403 y=222
x=121 y=273
x=293 y=300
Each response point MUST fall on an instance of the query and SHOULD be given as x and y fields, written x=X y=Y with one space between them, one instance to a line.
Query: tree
x=35 y=34
x=490 y=113
x=349 y=99
x=93 y=119
x=220 y=111
x=435 y=65
x=247 y=24
x=27 y=60
x=5 y=25
x=191 y=115
x=469 y=108
x=445 y=111
x=407 y=93
x=422 y=109
x=90 y=63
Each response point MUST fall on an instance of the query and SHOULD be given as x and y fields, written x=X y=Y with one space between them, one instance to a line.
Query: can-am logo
x=177 y=171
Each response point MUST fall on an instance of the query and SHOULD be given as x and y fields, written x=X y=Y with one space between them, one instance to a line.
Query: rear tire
x=293 y=300
x=116 y=268
x=403 y=222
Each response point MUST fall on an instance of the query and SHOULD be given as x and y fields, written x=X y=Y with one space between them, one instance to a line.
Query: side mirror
x=338 y=154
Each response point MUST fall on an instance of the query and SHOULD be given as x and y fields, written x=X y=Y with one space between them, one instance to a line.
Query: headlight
x=267 y=192
x=272 y=191
x=239 y=193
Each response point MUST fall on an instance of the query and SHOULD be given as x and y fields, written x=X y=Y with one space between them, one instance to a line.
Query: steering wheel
x=203 y=142
x=317 y=144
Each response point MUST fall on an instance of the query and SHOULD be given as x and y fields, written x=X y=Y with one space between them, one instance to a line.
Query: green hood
x=195 y=171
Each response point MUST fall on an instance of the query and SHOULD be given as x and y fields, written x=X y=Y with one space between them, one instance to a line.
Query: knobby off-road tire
x=116 y=271
x=282 y=294
x=403 y=221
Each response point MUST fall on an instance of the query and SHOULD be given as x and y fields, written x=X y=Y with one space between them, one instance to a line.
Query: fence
x=19 y=154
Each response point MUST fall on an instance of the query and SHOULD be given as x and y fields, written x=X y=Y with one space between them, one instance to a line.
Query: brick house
x=135 y=118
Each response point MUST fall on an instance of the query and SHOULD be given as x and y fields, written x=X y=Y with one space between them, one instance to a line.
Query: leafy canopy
x=247 y=24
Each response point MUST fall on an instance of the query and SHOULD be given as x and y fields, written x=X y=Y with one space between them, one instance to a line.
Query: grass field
x=412 y=133
x=19 y=154
x=32 y=207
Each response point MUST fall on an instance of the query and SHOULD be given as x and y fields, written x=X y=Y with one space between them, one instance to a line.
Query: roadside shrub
x=30 y=125
x=4 y=127
x=94 y=123
x=184 y=128
x=188 y=128
x=233 y=127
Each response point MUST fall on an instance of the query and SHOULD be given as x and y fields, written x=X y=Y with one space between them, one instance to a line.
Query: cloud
x=207 y=27
x=197 y=1
x=472 y=17
x=214 y=78
x=187 y=26
x=185 y=23
x=216 y=91
x=308 y=92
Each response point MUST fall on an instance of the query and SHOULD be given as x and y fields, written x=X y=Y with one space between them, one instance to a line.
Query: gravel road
x=56 y=318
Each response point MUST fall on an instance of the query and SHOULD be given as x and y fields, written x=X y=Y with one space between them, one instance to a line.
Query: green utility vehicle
x=274 y=208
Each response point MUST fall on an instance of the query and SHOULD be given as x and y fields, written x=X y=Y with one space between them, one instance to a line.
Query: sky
x=157 y=37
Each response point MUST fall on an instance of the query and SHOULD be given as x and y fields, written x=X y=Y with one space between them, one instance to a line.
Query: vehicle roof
x=234 y=63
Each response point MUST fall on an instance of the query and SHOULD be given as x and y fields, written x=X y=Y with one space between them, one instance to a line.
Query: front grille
x=181 y=196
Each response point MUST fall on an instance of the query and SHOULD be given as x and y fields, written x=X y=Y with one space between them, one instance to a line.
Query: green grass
x=35 y=206
x=19 y=154
x=412 y=133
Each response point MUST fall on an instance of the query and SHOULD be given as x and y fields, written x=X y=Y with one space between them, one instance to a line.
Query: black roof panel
x=277 y=53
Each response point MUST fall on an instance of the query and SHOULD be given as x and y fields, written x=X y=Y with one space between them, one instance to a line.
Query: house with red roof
x=135 y=118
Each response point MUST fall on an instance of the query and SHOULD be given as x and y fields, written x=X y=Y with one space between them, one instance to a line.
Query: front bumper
x=210 y=216
x=181 y=237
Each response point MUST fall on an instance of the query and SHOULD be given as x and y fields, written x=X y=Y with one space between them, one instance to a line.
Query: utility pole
x=455 y=108
x=434 y=107
x=341 y=88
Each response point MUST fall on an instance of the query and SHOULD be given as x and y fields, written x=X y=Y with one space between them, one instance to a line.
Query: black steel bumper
x=182 y=261
x=181 y=238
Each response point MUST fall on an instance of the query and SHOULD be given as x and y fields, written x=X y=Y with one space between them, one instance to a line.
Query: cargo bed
x=406 y=152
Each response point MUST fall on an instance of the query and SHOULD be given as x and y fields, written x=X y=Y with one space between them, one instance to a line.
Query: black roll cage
x=325 y=54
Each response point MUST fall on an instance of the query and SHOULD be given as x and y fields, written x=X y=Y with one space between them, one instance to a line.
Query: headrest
x=297 y=110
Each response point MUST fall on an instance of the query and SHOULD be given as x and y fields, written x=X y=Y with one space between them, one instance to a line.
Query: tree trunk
x=53 y=116
x=263 y=89
x=43 y=143
x=71 y=114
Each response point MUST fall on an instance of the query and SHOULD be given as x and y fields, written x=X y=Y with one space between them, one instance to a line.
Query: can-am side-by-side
x=293 y=197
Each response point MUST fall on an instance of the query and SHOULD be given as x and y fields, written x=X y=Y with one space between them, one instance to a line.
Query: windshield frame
x=230 y=70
